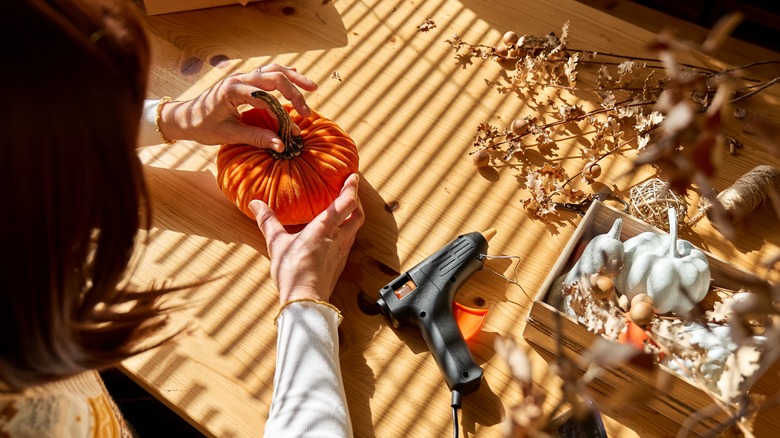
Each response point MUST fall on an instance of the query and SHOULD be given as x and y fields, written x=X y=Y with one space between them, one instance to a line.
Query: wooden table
x=413 y=113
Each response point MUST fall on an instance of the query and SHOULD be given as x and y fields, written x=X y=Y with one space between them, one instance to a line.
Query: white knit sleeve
x=147 y=133
x=308 y=398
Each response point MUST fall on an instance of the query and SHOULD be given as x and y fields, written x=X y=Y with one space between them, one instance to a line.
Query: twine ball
x=651 y=200
x=749 y=192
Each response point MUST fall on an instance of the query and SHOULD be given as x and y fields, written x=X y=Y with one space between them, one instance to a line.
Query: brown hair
x=74 y=190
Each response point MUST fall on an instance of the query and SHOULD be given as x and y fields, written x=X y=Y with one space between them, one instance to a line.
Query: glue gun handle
x=452 y=354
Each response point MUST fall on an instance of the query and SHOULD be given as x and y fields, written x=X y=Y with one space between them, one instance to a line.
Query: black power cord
x=456 y=401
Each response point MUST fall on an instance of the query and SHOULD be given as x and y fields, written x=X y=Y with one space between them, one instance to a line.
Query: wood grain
x=413 y=112
x=156 y=7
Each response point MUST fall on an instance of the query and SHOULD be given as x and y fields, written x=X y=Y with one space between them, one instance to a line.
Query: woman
x=75 y=198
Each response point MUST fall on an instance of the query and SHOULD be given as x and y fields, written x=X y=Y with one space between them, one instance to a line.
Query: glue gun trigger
x=469 y=319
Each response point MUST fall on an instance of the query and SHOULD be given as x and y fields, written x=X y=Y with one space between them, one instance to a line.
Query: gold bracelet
x=311 y=300
x=157 y=119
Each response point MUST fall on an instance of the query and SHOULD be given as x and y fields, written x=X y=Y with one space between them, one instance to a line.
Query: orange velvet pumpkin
x=298 y=183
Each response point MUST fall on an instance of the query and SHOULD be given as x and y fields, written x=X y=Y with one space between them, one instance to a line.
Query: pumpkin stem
x=617 y=226
x=293 y=144
x=673 y=232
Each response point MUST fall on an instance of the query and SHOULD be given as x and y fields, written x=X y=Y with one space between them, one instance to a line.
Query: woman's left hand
x=213 y=117
x=307 y=264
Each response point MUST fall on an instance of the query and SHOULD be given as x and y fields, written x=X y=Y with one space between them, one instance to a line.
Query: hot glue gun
x=424 y=297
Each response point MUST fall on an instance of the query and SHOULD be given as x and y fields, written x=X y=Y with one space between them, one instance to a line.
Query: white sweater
x=147 y=134
x=308 y=399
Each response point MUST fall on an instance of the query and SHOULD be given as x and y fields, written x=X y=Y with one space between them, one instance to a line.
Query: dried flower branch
x=634 y=97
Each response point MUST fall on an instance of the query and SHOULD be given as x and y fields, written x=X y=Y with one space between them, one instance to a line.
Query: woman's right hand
x=307 y=264
x=213 y=117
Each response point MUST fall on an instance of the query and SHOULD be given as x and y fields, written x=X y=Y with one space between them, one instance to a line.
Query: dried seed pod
x=601 y=286
x=519 y=126
x=592 y=170
x=510 y=38
x=480 y=158
x=642 y=298
x=501 y=51
x=641 y=313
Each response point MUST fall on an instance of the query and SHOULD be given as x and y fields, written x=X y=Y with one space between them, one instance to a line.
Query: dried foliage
x=527 y=418
x=668 y=112
x=427 y=25
x=668 y=115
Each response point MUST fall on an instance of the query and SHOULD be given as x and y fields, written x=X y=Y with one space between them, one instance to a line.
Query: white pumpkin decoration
x=672 y=271
x=602 y=255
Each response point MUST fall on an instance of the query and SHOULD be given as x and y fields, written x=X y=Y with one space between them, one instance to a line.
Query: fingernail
x=255 y=206
x=357 y=177
x=277 y=145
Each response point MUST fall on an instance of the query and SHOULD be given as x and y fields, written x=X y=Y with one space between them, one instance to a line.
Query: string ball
x=651 y=200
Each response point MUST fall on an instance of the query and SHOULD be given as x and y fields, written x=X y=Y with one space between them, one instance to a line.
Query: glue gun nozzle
x=489 y=233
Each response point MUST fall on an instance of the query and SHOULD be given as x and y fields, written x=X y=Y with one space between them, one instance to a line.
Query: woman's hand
x=213 y=118
x=307 y=264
